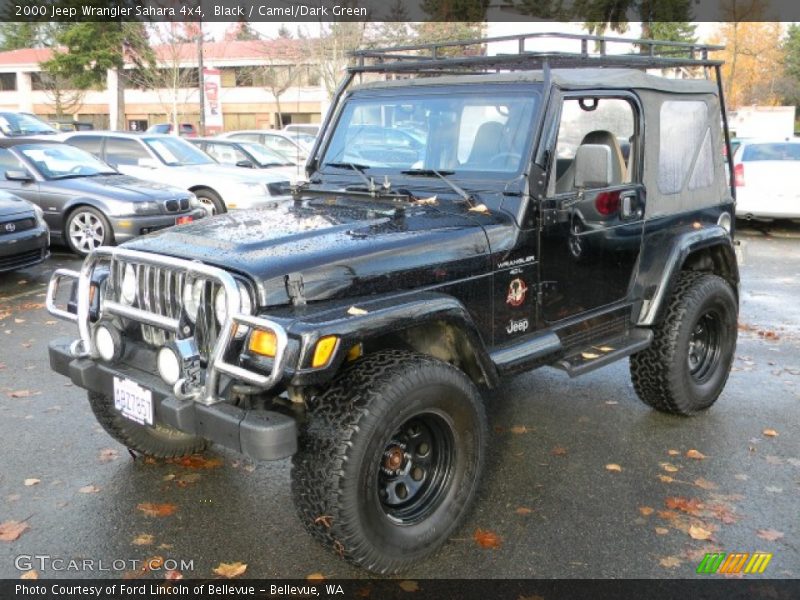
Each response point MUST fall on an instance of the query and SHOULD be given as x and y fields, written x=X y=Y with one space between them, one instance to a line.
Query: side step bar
x=601 y=354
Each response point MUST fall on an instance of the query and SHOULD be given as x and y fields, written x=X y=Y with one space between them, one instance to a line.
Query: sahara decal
x=517 y=290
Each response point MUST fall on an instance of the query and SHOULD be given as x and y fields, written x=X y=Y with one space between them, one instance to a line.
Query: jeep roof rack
x=593 y=53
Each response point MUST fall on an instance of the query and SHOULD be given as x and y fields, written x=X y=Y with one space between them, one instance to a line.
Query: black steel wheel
x=390 y=459
x=687 y=365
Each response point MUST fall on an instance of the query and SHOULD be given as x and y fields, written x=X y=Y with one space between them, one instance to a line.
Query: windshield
x=264 y=156
x=20 y=124
x=176 y=152
x=60 y=161
x=460 y=131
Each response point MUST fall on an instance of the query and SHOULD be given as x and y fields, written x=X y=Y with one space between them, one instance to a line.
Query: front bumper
x=24 y=248
x=259 y=434
x=127 y=228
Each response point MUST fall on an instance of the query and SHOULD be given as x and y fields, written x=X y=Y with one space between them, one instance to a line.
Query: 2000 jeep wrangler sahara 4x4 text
x=496 y=214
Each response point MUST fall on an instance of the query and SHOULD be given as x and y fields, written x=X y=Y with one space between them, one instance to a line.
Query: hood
x=14 y=205
x=228 y=172
x=119 y=187
x=340 y=248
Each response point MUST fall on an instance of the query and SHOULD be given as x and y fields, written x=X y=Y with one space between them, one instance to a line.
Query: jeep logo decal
x=520 y=326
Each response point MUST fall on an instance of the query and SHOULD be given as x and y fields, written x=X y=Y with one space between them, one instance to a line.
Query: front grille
x=159 y=291
x=9 y=227
x=177 y=205
x=20 y=260
x=279 y=188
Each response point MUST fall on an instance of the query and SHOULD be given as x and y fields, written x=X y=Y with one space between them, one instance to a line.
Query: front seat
x=486 y=145
x=602 y=137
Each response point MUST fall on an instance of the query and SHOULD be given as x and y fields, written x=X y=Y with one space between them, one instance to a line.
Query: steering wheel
x=504 y=158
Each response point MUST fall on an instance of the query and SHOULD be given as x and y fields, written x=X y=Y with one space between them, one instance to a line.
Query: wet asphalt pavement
x=546 y=492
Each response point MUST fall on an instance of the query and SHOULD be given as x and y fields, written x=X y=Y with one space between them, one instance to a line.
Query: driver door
x=592 y=230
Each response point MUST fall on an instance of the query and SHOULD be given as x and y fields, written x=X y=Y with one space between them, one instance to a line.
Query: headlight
x=221 y=306
x=146 y=208
x=253 y=187
x=39 y=216
x=194 y=202
x=128 y=292
x=192 y=296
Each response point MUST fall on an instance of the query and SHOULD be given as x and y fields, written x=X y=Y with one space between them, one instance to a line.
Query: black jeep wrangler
x=466 y=218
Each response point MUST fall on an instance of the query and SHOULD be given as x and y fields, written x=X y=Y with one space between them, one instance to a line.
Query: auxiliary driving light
x=264 y=342
x=108 y=342
x=169 y=365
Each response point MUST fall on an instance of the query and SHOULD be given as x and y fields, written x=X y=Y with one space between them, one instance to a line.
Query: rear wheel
x=87 y=229
x=688 y=363
x=160 y=441
x=390 y=460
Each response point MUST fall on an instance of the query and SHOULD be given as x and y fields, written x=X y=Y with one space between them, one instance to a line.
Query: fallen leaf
x=769 y=534
x=143 y=539
x=324 y=520
x=669 y=468
x=523 y=510
x=23 y=394
x=486 y=539
x=646 y=511
x=558 y=451
x=519 y=429
x=773 y=460
x=691 y=506
x=427 y=201
x=408 y=585
x=32 y=481
x=480 y=208
x=705 y=484
x=670 y=562
x=698 y=533
x=589 y=355
x=662 y=530
x=197 y=461
x=666 y=478
x=695 y=454
x=612 y=402
x=89 y=489
x=673 y=452
x=230 y=570
x=32 y=574
x=11 y=530
x=168 y=477
x=355 y=311
x=614 y=468
x=172 y=574
x=741 y=477
x=315 y=577
x=187 y=479
x=108 y=454
x=773 y=490
x=156 y=510
x=154 y=563
x=770 y=433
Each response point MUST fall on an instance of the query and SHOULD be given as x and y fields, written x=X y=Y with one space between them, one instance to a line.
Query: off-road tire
x=663 y=375
x=339 y=474
x=159 y=441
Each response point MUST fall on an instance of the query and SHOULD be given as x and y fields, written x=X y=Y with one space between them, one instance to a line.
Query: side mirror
x=593 y=166
x=19 y=175
x=245 y=163
x=147 y=163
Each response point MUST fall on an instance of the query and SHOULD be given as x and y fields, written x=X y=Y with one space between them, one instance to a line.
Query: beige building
x=246 y=98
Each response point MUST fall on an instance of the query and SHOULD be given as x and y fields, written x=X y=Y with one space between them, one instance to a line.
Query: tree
x=30 y=34
x=278 y=72
x=600 y=15
x=241 y=31
x=283 y=32
x=331 y=50
x=62 y=93
x=87 y=51
x=790 y=83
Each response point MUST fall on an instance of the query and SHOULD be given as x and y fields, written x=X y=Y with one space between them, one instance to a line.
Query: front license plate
x=133 y=401
x=184 y=219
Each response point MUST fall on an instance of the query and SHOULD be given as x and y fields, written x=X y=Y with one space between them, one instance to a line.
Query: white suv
x=174 y=161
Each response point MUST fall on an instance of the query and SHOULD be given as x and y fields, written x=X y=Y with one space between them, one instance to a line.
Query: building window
x=8 y=82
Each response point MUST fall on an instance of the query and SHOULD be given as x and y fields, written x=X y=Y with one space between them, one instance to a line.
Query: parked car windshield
x=778 y=151
x=264 y=156
x=19 y=124
x=62 y=161
x=176 y=152
x=460 y=131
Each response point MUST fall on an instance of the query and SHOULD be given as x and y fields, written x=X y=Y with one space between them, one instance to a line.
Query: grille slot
x=279 y=188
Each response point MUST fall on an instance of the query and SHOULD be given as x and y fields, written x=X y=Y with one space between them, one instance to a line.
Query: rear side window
x=685 y=150
x=89 y=143
x=120 y=151
x=9 y=162
x=755 y=152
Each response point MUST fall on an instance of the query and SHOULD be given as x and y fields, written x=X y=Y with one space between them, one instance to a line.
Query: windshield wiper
x=371 y=187
x=466 y=196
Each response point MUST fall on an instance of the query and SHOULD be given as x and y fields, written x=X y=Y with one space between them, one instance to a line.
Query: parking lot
x=582 y=480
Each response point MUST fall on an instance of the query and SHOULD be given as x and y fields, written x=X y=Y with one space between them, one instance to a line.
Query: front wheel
x=87 y=229
x=687 y=365
x=160 y=441
x=390 y=459
x=211 y=201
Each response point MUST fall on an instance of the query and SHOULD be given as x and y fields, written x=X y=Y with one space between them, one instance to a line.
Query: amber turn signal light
x=264 y=342
x=324 y=351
